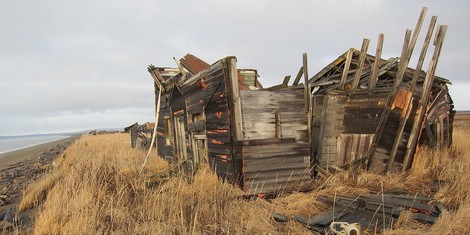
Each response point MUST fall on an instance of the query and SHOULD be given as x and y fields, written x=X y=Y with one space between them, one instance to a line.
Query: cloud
x=66 y=64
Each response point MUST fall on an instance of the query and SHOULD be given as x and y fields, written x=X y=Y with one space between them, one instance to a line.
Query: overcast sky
x=75 y=65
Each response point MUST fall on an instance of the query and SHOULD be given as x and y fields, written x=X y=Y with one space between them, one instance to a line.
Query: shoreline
x=32 y=145
x=21 y=167
x=15 y=156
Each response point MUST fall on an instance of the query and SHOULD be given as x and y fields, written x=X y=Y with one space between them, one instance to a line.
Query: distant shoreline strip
x=32 y=145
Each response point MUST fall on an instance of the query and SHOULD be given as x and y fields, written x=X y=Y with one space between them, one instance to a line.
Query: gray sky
x=75 y=65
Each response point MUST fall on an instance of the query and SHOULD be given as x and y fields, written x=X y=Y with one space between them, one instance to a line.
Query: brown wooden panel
x=272 y=166
x=352 y=147
x=271 y=114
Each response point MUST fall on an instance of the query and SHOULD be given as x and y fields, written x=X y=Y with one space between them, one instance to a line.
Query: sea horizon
x=13 y=143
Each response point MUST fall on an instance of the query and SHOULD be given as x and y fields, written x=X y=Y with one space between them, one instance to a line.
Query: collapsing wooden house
x=219 y=115
x=377 y=111
x=140 y=134
x=347 y=117
x=360 y=110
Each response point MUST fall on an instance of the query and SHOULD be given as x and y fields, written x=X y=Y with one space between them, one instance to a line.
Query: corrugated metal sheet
x=193 y=63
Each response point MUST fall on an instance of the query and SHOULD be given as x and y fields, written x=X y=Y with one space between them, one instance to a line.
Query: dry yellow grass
x=96 y=187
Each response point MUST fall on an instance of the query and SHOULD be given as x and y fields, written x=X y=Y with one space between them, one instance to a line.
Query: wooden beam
x=306 y=83
x=431 y=137
x=419 y=23
x=321 y=133
x=180 y=67
x=236 y=104
x=286 y=80
x=277 y=121
x=408 y=105
x=157 y=78
x=375 y=66
x=417 y=124
x=308 y=97
x=401 y=127
x=404 y=51
x=419 y=66
x=347 y=63
x=154 y=136
x=384 y=117
x=362 y=57
x=276 y=87
x=299 y=76
x=448 y=131
x=440 y=132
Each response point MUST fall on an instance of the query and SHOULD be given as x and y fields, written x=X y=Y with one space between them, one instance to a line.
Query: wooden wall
x=274 y=156
x=346 y=125
x=272 y=166
x=205 y=92
x=274 y=114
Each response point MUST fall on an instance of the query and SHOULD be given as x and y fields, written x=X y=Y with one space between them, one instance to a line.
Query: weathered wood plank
x=416 y=129
x=347 y=64
x=362 y=57
x=375 y=66
x=299 y=76
x=424 y=50
x=385 y=114
x=237 y=111
x=401 y=127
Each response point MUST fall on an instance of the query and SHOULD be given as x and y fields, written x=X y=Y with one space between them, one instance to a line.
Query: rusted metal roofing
x=193 y=63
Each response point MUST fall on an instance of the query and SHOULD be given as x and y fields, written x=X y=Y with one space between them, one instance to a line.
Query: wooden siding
x=275 y=152
x=352 y=147
x=347 y=124
x=205 y=92
x=273 y=166
x=331 y=127
x=385 y=144
x=266 y=113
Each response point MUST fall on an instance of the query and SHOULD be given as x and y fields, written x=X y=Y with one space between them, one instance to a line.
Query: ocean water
x=12 y=143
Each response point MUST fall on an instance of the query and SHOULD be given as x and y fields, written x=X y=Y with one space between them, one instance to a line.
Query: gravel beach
x=21 y=167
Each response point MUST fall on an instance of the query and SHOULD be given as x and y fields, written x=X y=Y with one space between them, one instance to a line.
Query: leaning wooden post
x=419 y=118
x=362 y=58
x=157 y=77
x=154 y=136
x=236 y=98
x=406 y=53
x=375 y=66
x=347 y=63
x=299 y=76
x=308 y=96
x=408 y=106
x=391 y=97
x=306 y=83
x=401 y=127
x=419 y=66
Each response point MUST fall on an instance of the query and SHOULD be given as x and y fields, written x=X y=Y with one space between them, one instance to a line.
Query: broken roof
x=329 y=77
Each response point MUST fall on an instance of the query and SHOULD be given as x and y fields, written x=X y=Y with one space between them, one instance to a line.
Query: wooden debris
x=374 y=212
